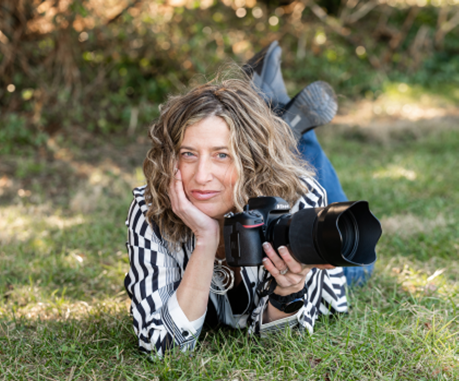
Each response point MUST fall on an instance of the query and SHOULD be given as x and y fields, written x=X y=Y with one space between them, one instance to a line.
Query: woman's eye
x=187 y=154
x=222 y=155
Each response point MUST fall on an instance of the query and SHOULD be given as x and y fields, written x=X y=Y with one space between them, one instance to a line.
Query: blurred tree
x=105 y=65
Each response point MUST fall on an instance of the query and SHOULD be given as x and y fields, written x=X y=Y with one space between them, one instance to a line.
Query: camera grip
x=243 y=246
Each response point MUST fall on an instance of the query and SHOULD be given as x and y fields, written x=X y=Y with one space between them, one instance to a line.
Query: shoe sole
x=314 y=106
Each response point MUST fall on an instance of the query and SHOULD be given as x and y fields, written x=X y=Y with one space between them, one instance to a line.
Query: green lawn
x=64 y=313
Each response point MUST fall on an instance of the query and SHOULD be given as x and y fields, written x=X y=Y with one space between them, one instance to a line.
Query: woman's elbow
x=165 y=344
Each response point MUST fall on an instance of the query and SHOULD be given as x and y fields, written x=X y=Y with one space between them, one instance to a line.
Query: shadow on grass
x=388 y=333
x=64 y=313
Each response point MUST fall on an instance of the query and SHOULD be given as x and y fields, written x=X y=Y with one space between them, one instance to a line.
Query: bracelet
x=288 y=298
x=289 y=303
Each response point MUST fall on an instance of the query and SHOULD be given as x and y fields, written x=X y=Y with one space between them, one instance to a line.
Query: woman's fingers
x=274 y=257
x=269 y=266
x=276 y=262
x=180 y=203
x=282 y=261
x=292 y=264
x=283 y=267
x=284 y=281
x=194 y=218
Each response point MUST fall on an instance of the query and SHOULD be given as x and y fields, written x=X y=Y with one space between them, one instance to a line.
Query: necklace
x=222 y=278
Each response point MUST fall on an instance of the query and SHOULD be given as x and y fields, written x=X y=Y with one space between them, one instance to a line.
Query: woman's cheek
x=186 y=170
x=232 y=176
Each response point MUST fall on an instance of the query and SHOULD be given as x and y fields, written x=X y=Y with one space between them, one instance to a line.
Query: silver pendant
x=222 y=278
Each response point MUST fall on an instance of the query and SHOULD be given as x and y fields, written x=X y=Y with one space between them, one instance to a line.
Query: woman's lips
x=203 y=195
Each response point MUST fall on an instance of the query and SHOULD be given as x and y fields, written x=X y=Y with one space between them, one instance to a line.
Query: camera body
x=341 y=234
x=245 y=232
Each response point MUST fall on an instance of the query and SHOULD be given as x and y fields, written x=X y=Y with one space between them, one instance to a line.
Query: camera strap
x=266 y=286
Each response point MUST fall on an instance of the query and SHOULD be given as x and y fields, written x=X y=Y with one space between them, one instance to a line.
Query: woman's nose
x=203 y=172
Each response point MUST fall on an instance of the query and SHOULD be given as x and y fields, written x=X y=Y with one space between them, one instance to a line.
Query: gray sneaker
x=265 y=70
x=312 y=107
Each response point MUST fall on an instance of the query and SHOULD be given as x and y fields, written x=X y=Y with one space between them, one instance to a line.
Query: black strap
x=288 y=298
x=267 y=286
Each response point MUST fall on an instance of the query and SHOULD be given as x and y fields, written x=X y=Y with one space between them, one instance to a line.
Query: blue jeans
x=312 y=152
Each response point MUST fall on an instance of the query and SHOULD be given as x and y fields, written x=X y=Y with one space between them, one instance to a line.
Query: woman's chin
x=212 y=211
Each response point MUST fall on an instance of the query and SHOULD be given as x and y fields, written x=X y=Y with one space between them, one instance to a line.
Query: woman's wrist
x=284 y=291
x=281 y=306
x=271 y=314
x=210 y=238
x=207 y=244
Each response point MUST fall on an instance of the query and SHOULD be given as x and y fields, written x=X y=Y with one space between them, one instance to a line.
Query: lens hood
x=341 y=234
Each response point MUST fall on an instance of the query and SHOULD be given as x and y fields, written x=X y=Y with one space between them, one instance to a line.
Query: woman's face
x=207 y=167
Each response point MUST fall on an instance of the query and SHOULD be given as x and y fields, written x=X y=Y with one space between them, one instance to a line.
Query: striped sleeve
x=326 y=293
x=151 y=283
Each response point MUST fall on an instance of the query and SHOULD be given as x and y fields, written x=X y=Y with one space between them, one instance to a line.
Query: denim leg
x=312 y=152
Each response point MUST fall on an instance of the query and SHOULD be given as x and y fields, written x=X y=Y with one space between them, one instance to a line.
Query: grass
x=64 y=313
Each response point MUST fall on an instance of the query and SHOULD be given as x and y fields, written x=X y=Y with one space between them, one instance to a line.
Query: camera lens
x=348 y=228
x=340 y=234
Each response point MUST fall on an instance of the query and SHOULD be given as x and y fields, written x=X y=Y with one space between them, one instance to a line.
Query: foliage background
x=79 y=83
x=103 y=66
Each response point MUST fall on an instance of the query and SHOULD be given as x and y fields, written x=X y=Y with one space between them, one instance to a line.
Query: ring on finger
x=284 y=271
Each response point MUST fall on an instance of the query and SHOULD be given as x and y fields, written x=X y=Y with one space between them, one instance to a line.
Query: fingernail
x=265 y=244
x=282 y=250
x=264 y=259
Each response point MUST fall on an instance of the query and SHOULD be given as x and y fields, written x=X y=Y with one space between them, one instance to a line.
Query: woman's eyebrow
x=218 y=148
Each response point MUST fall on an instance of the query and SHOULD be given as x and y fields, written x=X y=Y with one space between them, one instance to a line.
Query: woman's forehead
x=210 y=131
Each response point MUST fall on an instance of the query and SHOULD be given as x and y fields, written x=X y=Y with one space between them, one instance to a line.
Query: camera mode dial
x=249 y=219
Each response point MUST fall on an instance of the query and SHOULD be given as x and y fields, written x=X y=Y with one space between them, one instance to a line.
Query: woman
x=212 y=149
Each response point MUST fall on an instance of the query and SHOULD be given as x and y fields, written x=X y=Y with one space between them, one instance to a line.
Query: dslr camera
x=340 y=234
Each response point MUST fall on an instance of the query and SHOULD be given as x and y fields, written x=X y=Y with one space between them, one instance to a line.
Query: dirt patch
x=73 y=169
x=409 y=224
x=385 y=122
x=63 y=173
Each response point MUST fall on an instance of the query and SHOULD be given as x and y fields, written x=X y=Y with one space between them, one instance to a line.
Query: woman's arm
x=289 y=283
x=153 y=283
x=154 y=276
x=325 y=286
x=193 y=292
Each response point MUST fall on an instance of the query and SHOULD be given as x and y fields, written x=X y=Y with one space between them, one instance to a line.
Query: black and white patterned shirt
x=155 y=274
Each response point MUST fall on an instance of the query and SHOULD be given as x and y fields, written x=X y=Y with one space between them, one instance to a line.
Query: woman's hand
x=289 y=274
x=203 y=226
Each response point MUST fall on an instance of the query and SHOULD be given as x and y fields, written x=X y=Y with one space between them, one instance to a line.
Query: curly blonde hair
x=263 y=147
